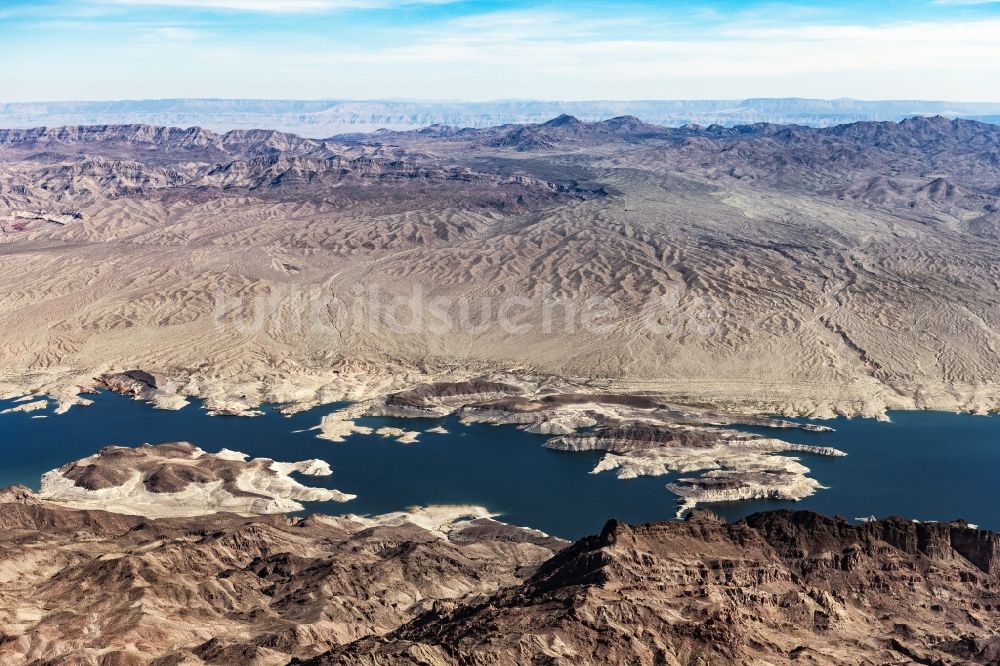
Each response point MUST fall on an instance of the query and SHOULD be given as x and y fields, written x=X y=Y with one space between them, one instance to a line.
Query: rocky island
x=180 y=479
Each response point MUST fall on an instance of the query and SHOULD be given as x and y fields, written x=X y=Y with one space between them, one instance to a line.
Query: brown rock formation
x=777 y=588
x=91 y=587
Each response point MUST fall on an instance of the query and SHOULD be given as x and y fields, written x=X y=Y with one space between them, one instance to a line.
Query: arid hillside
x=91 y=587
x=762 y=267
x=778 y=588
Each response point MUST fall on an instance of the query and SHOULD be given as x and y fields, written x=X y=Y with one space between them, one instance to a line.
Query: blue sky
x=477 y=50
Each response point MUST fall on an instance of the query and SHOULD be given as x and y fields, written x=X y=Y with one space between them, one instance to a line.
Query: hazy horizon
x=325 y=118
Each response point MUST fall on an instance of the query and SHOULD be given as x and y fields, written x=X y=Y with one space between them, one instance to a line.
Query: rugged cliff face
x=781 y=587
x=91 y=587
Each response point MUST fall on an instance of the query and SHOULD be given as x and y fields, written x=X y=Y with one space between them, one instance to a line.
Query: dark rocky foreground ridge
x=778 y=587
x=90 y=587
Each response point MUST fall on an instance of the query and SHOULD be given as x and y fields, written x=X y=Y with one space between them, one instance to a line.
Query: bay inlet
x=923 y=465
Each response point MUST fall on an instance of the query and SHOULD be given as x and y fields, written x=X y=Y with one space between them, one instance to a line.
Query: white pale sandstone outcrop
x=183 y=480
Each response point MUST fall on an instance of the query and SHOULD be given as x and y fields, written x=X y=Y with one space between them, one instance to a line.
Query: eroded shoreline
x=700 y=449
x=638 y=435
x=243 y=393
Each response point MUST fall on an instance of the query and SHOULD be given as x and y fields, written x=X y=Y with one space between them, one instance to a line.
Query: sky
x=492 y=49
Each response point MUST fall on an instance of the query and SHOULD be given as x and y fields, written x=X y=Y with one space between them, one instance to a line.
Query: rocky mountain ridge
x=91 y=587
x=64 y=168
x=779 y=587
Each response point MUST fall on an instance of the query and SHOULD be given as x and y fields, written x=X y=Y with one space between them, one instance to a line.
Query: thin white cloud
x=929 y=59
x=275 y=6
x=540 y=53
x=548 y=42
x=172 y=34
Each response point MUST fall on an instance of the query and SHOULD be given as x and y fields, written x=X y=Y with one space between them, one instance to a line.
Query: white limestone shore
x=25 y=407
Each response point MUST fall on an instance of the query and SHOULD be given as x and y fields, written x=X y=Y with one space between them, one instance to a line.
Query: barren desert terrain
x=447 y=587
x=761 y=268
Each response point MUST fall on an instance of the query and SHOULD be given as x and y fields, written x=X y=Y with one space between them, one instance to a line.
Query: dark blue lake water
x=925 y=465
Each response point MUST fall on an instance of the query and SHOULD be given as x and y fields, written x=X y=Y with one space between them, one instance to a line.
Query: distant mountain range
x=323 y=118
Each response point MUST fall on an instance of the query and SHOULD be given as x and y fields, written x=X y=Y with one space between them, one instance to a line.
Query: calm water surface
x=926 y=465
